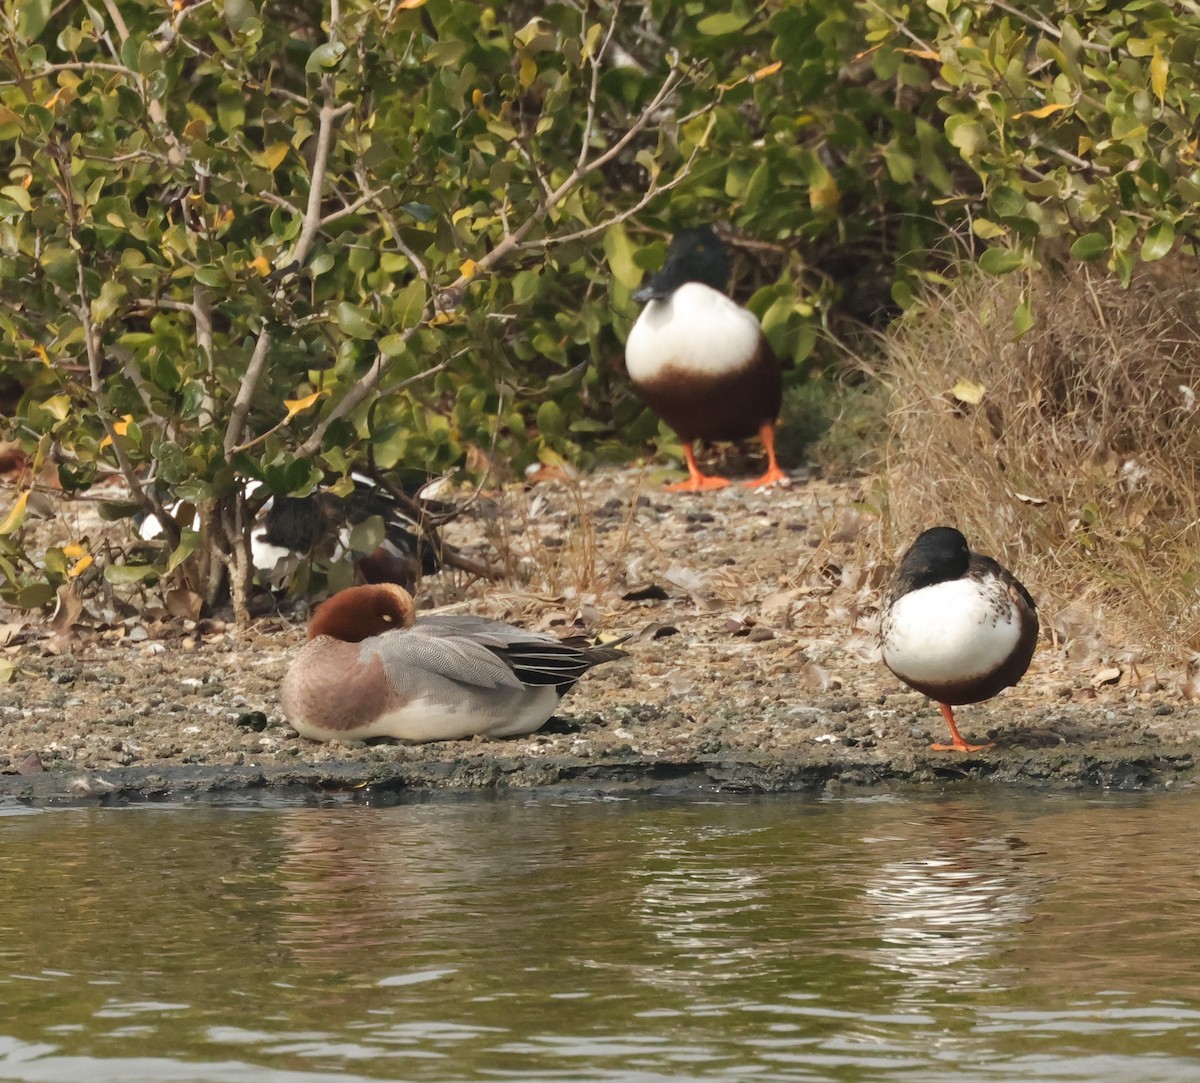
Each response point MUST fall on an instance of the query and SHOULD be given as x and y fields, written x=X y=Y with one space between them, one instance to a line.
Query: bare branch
x=245 y=395
x=589 y=124
x=308 y=232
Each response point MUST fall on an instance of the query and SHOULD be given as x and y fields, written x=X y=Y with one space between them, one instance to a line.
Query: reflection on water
x=970 y=935
x=946 y=916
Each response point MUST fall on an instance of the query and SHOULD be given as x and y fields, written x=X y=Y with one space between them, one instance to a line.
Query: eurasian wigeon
x=700 y=361
x=956 y=626
x=370 y=668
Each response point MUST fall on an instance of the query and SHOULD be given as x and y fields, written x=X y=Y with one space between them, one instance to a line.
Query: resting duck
x=700 y=361
x=956 y=625
x=371 y=669
x=289 y=529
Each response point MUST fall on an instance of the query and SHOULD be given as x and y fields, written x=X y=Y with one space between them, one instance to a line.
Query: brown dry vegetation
x=1074 y=459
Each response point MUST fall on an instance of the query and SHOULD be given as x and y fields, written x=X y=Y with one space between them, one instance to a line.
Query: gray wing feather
x=408 y=655
x=486 y=653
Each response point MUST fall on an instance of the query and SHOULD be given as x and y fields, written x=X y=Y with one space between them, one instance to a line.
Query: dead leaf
x=185 y=604
x=968 y=391
x=69 y=608
x=31 y=765
x=1108 y=675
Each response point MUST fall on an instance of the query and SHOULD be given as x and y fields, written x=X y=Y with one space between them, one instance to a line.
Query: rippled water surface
x=971 y=935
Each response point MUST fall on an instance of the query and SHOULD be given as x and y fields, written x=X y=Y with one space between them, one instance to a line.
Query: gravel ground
x=753 y=665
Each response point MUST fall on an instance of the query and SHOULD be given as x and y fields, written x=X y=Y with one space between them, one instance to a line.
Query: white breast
x=950 y=632
x=697 y=329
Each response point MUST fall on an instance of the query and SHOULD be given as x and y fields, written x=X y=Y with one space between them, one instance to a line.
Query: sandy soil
x=752 y=666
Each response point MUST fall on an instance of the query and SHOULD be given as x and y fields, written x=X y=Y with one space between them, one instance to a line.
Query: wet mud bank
x=397 y=779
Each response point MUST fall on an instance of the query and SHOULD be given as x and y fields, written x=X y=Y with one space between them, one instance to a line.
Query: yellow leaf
x=1043 y=110
x=80 y=566
x=17 y=516
x=1158 y=73
x=763 y=73
x=866 y=52
x=53 y=99
x=120 y=428
x=406 y=5
x=467 y=270
x=824 y=196
x=295 y=406
x=260 y=265
x=196 y=128
x=74 y=551
x=924 y=54
x=968 y=391
x=58 y=406
x=41 y=352
x=528 y=73
x=274 y=155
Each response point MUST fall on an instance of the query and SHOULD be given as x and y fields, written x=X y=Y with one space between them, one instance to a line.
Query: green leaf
x=356 y=321
x=1022 y=317
x=112 y=510
x=367 y=536
x=987 y=229
x=1090 y=246
x=1160 y=239
x=550 y=422
x=189 y=542
x=1000 y=261
x=723 y=22
x=408 y=307
x=966 y=134
x=325 y=56
x=32 y=16
x=18 y=195
x=619 y=252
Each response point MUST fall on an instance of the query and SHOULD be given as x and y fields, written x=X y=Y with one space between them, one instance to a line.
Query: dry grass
x=1078 y=465
x=549 y=541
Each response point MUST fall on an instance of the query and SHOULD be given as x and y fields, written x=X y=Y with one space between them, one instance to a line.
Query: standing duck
x=956 y=625
x=700 y=361
x=371 y=669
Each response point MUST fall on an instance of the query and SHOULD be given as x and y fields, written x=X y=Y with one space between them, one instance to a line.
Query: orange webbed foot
x=700 y=484
x=771 y=477
x=962 y=746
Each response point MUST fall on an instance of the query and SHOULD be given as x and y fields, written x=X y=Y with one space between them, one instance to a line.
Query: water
x=973 y=935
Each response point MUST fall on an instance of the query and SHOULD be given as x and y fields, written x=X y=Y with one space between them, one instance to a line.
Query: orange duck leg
x=767 y=435
x=697 y=482
x=957 y=743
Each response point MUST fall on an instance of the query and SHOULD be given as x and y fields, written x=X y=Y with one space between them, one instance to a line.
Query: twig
x=589 y=124
x=308 y=232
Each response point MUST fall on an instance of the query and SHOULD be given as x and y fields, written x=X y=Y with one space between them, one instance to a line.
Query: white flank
x=948 y=632
x=488 y=713
x=697 y=329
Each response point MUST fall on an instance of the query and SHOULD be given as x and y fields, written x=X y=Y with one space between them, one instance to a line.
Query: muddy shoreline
x=753 y=668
